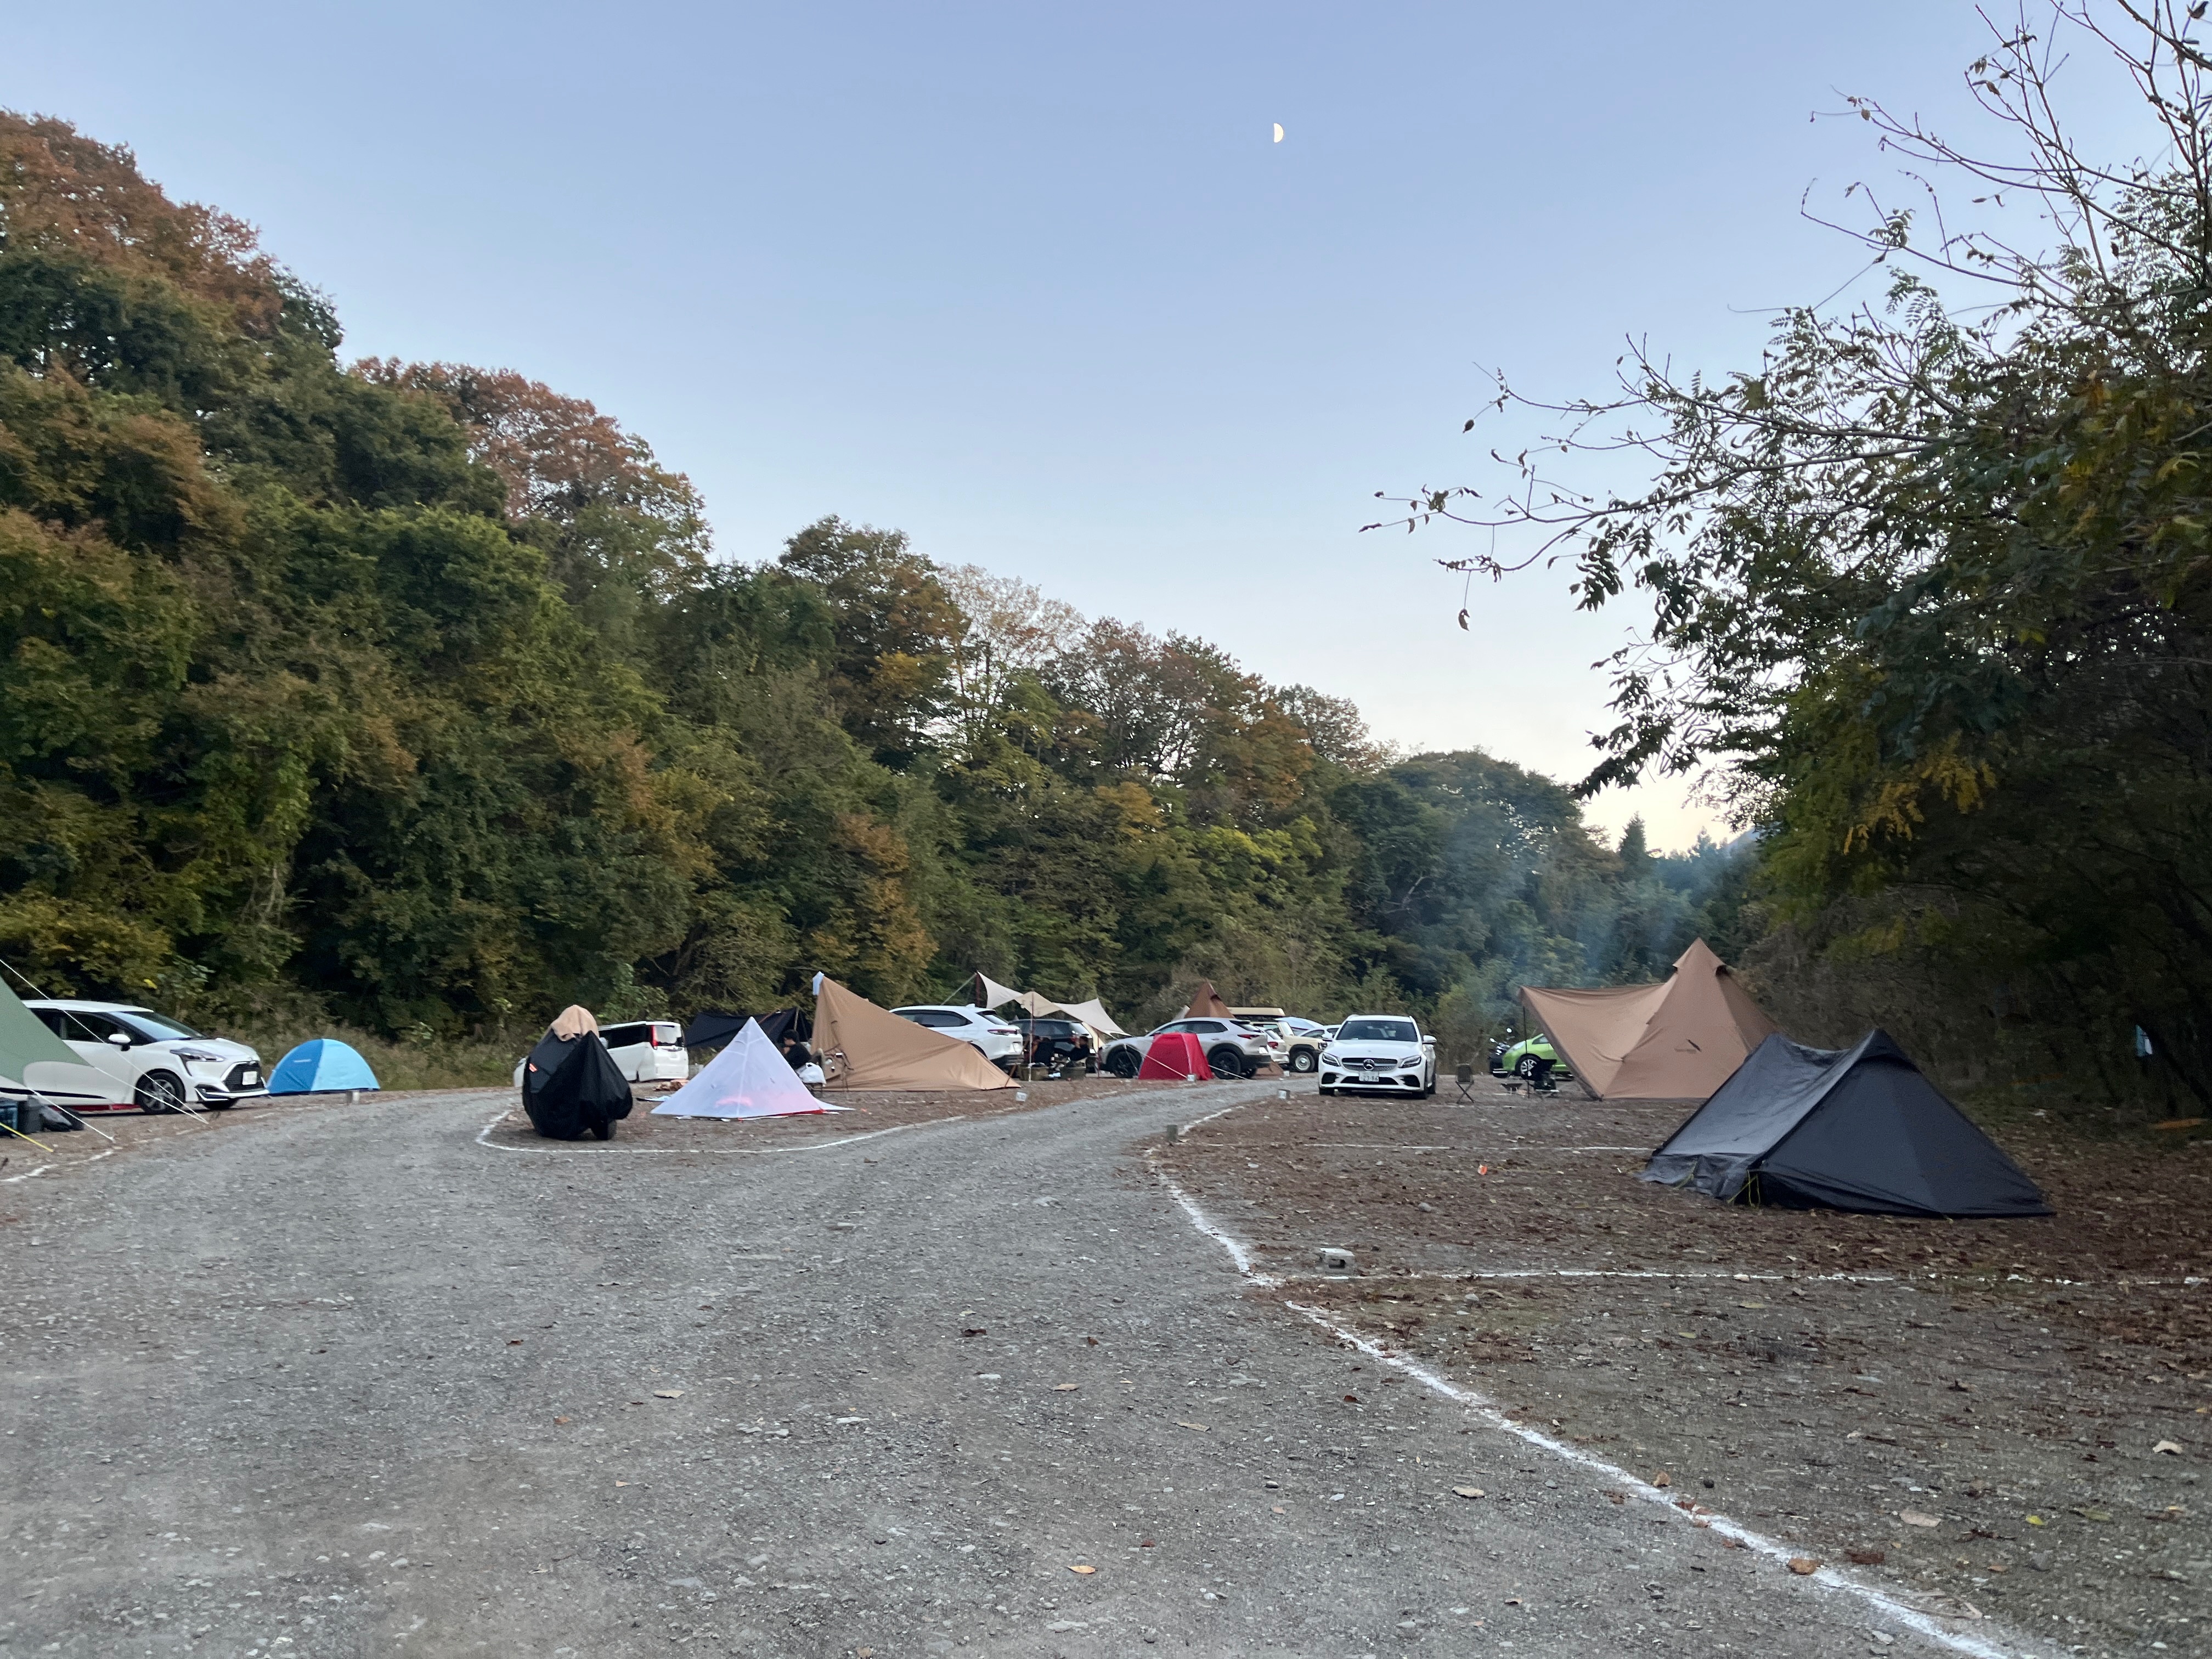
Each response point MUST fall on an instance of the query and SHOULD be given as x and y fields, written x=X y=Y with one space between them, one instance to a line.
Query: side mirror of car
x=118 y=1039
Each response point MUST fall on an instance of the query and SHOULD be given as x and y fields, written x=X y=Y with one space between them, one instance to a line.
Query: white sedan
x=148 y=1060
x=1385 y=1053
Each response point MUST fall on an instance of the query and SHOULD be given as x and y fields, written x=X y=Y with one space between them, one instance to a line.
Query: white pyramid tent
x=748 y=1078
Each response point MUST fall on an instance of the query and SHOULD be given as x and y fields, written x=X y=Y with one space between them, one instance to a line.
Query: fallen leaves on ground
x=1085 y=1571
x=1803 y=1565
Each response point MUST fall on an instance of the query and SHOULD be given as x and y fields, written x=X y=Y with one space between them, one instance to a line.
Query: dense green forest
x=412 y=695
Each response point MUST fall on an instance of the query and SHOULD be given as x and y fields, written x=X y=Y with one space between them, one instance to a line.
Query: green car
x=1519 y=1059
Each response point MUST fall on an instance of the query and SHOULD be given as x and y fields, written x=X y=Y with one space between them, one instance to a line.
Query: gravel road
x=352 y=1382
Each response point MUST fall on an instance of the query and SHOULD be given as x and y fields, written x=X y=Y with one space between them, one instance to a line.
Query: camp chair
x=1464 y=1076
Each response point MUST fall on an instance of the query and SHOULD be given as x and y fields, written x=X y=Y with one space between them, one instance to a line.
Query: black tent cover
x=713 y=1029
x=1856 y=1128
x=569 y=1087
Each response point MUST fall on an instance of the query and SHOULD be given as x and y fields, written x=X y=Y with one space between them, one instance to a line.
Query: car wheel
x=1525 y=1066
x=1325 y=1090
x=1225 y=1061
x=1304 y=1060
x=1123 y=1064
x=159 y=1091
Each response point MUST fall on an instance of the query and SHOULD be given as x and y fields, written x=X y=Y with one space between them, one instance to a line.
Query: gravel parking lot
x=334 y=1380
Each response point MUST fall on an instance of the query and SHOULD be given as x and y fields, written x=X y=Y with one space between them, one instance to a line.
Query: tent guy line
x=1828 y=1578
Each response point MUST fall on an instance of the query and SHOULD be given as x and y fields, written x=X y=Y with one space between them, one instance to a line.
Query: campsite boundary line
x=11 y=1180
x=1930 y=1625
x=720 y=1152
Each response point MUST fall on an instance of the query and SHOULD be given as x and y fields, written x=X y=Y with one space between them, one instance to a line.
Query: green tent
x=24 y=1039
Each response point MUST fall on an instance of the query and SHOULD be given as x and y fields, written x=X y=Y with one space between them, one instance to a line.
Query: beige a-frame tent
x=863 y=1047
x=1678 y=1040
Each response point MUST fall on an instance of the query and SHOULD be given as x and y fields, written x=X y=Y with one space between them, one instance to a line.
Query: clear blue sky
x=1033 y=284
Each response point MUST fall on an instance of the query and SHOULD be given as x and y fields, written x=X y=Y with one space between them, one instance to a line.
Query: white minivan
x=643 y=1051
x=148 y=1060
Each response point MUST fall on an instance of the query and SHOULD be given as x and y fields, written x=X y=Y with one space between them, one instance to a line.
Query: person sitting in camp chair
x=1540 y=1080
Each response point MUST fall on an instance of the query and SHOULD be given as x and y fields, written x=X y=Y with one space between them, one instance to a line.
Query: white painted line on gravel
x=11 y=1180
x=1721 y=1276
x=1928 y=1625
x=1507 y=1147
x=749 y=1152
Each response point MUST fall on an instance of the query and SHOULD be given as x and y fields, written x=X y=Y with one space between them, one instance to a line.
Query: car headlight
x=198 y=1057
x=1414 y=1059
x=1329 y=1057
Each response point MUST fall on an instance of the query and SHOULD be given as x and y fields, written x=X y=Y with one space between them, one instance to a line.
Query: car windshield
x=158 y=1028
x=1378 y=1030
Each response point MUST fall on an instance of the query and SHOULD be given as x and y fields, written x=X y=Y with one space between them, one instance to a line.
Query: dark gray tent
x=1856 y=1128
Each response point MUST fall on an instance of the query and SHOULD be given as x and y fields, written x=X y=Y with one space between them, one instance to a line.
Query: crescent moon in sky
x=1278 y=132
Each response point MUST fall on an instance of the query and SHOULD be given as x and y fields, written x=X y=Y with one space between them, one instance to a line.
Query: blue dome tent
x=321 y=1066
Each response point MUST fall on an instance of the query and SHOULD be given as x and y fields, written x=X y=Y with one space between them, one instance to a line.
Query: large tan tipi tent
x=1678 y=1040
x=864 y=1047
x=1205 y=1003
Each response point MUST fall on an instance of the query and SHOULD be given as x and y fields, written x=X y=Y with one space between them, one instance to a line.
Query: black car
x=1058 y=1045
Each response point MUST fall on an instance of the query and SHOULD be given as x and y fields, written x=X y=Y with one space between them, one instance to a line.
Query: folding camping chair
x=1465 y=1078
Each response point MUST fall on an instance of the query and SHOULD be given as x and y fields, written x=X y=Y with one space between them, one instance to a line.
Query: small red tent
x=1175 y=1054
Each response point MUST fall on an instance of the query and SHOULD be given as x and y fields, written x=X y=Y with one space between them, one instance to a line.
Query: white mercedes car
x=147 y=1060
x=1385 y=1053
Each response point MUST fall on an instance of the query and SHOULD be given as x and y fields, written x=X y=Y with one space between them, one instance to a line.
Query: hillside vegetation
x=411 y=695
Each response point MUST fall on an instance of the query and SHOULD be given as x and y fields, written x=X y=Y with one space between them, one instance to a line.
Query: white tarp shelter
x=987 y=992
x=747 y=1079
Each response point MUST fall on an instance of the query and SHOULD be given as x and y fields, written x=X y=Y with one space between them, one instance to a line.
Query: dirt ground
x=2009 y=1419
x=847 y=1115
x=851 y=1114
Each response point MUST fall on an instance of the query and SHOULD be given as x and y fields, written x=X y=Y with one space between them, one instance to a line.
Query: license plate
x=250 y=1079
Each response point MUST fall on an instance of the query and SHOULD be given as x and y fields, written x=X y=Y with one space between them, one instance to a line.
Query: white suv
x=1384 y=1052
x=1233 y=1048
x=151 y=1061
x=989 y=1036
